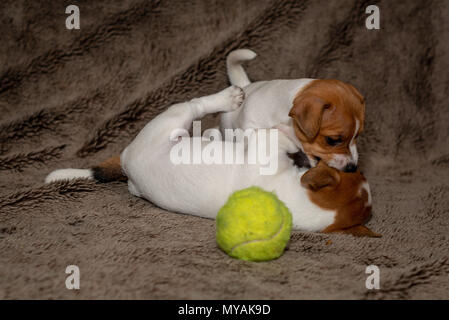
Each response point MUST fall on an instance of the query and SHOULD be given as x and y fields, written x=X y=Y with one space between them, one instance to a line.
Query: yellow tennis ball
x=253 y=225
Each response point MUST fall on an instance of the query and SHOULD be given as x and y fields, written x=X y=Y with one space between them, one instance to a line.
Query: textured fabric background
x=74 y=98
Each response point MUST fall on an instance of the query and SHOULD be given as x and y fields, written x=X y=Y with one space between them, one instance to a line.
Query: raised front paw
x=234 y=96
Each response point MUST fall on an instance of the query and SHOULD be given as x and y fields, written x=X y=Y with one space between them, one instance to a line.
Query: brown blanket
x=72 y=98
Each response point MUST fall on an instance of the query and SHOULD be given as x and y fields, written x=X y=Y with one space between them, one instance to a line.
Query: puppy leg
x=226 y=100
x=180 y=116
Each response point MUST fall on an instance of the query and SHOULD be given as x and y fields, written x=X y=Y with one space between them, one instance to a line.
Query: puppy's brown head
x=346 y=193
x=328 y=116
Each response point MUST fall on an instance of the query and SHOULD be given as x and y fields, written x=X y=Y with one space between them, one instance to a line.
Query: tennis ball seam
x=261 y=240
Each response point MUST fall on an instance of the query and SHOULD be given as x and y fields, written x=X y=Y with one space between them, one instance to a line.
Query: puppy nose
x=350 y=168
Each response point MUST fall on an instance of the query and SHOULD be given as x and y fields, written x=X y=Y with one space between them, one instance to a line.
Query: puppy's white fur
x=236 y=74
x=202 y=189
x=68 y=174
x=268 y=103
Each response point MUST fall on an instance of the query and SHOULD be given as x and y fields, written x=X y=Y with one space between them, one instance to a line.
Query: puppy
x=321 y=199
x=323 y=117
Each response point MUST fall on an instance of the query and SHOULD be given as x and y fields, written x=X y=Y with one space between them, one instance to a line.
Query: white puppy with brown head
x=321 y=199
x=323 y=117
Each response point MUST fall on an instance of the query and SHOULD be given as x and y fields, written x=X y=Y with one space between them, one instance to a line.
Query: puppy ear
x=307 y=111
x=361 y=106
x=319 y=177
x=356 y=92
x=359 y=231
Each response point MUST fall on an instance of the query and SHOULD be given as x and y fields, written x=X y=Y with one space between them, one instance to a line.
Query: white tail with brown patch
x=106 y=171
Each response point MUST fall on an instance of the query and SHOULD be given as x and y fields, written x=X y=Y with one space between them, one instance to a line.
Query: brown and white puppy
x=346 y=194
x=322 y=199
x=323 y=117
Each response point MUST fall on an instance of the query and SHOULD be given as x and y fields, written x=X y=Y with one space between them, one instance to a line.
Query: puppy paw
x=234 y=97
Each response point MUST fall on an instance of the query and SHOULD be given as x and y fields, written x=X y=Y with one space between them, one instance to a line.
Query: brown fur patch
x=109 y=170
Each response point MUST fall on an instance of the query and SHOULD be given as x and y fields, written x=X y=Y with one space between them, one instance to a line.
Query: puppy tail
x=236 y=73
x=106 y=171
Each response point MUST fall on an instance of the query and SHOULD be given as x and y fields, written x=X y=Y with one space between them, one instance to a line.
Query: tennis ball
x=253 y=225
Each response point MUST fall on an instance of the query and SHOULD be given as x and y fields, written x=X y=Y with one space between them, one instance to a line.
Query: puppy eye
x=333 y=142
